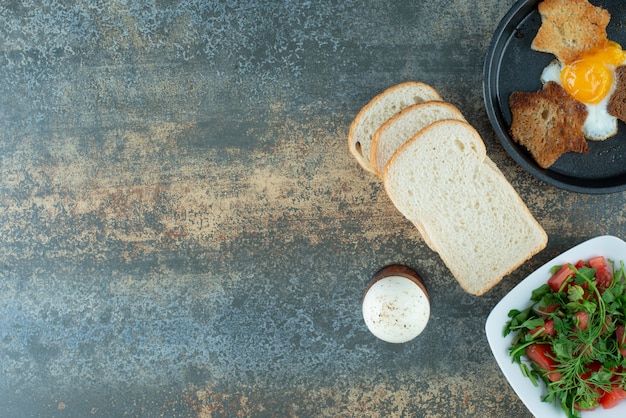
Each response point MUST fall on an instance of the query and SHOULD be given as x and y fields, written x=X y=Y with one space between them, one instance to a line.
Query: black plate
x=511 y=65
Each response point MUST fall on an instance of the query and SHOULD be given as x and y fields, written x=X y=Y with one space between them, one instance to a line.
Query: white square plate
x=611 y=248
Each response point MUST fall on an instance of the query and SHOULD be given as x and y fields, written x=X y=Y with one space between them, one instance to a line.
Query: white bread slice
x=422 y=230
x=471 y=214
x=403 y=126
x=378 y=110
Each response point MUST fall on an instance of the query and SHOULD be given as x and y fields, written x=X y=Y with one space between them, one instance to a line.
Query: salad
x=574 y=336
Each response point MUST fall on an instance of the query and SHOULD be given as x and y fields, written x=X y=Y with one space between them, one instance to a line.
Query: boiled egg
x=590 y=79
x=395 y=306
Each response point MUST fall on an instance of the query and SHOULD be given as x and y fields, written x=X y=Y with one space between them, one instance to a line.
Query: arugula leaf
x=540 y=292
x=517 y=319
x=554 y=269
x=587 y=273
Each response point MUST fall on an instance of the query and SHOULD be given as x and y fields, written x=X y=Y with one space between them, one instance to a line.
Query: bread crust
x=359 y=140
x=548 y=123
x=617 y=102
x=570 y=27
x=418 y=116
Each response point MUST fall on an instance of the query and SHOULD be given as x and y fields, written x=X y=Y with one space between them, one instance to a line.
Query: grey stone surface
x=183 y=231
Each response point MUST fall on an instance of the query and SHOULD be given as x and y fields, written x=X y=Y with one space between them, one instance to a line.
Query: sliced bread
x=378 y=110
x=404 y=125
x=422 y=230
x=442 y=180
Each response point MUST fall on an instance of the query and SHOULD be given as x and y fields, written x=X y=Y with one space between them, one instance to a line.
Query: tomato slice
x=549 y=328
x=612 y=398
x=546 y=329
x=620 y=333
x=556 y=281
x=542 y=356
x=580 y=408
x=598 y=262
x=545 y=312
x=592 y=367
x=604 y=277
x=581 y=319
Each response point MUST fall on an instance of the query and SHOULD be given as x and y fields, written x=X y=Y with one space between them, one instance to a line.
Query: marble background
x=184 y=233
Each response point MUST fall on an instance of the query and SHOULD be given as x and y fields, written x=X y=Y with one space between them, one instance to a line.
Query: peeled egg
x=590 y=80
x=395 y=306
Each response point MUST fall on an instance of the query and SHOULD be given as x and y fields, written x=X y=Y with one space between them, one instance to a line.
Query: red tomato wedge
x=578 y=407
x=604 y=277
x=612 y=398
x=581 y=319
x=546 y=329
x=593 y=367
x=542 y=356
x=598 y=262
x=556 y=281
x=620 y=333
x=545 y=312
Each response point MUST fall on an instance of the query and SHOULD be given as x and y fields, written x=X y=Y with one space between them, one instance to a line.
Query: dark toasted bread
x=617 y=102
x=548 y=123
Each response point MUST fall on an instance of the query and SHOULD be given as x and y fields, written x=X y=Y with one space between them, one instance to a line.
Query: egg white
x=599 y=124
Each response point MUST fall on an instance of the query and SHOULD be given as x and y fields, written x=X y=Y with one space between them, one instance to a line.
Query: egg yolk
x=590 y=77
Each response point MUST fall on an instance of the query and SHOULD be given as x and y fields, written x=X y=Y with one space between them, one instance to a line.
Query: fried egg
x=591 y=80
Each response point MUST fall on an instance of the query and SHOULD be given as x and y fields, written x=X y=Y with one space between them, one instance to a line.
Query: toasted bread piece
x=570 y=27
x=617 y=102
x=472 y=216
x=403 y=126
x=378 y=110
x=548 y=123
